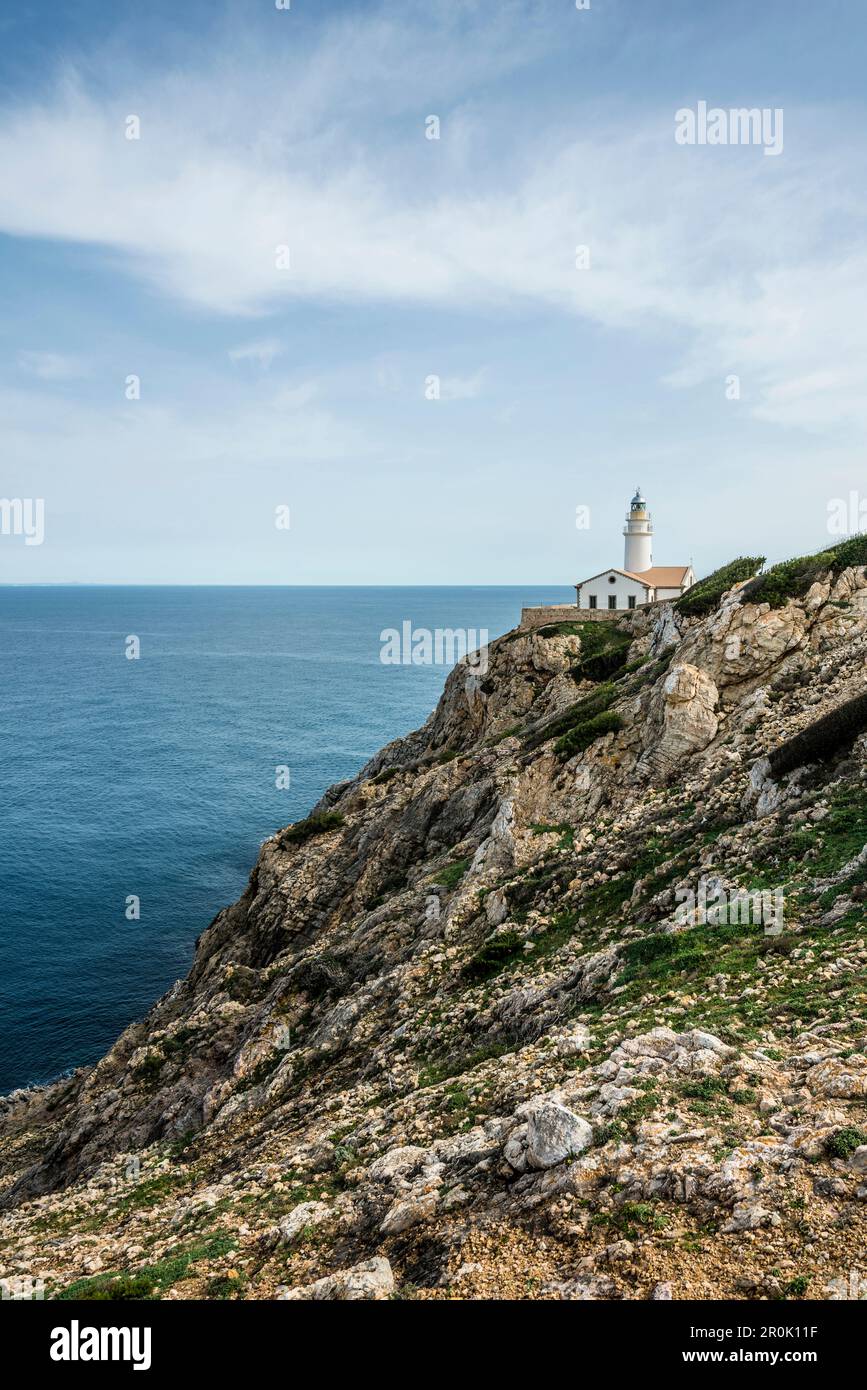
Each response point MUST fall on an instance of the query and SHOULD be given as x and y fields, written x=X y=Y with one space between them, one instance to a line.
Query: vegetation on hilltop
x=792 y=578
x=704 y=595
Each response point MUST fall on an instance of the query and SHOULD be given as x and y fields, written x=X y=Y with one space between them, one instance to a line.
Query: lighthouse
x=640 y=581
x=638 y=545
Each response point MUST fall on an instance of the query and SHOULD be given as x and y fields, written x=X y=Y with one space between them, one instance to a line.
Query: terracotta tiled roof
x=658 y=577
x=664 y=576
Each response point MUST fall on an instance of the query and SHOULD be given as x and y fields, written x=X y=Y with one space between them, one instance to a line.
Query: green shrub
x=565 y=629
x=180 y=1147
x=603 y=651
x=262 y=1071
x=705 y=1089
x=793 y=578
x=828 y=844
x=578 y=713
x=850 y=553
x=432 y=1073
x=797 y=1287
x=491 y=958
x=582 y=735
x=522 y=892
x=241 y=984
x=822 y=739
x=121 y=1287
x=317 y=975
x=181 y=1043
x=222 y=1286
x=843 y=1142
x=452 y=874
x=385 y=775
x=153 y=1191
x=704 y=596
x=314 y=825
x=629 y=1216
x=632 y=666
x=604 y=664
x=654 y=956
x=564 y=830
x=149 y=1070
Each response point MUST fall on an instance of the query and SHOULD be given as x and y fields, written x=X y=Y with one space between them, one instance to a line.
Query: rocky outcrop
x=682 y=719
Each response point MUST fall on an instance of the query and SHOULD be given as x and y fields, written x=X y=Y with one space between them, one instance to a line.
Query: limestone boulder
x=372 y=1279
x=555 y=1134
x=839 y=1079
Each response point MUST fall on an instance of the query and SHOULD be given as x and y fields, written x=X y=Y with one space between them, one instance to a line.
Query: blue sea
x=156 y=777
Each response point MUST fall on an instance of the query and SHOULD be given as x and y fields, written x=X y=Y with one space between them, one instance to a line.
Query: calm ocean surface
x=156 y=777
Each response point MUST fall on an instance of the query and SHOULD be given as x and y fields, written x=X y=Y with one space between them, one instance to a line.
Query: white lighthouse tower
x=640 y=581
x=638 y=547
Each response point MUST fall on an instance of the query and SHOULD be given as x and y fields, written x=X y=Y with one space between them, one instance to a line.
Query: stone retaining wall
x=567 y=613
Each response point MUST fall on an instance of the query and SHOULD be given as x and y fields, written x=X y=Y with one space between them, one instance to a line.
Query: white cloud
x=261 y=352
x=52 y=366
x=732 y=254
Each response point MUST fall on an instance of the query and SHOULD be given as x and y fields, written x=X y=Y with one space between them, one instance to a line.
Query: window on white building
x=631 y=600
x=592 y=600
x=612 y=600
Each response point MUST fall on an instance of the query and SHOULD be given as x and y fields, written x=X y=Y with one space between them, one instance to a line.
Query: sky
x=282 y=299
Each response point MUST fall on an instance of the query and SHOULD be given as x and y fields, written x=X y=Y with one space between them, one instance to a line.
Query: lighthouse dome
x=638 y=504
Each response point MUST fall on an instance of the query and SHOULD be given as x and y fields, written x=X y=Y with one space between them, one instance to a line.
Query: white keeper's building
x=640 y=581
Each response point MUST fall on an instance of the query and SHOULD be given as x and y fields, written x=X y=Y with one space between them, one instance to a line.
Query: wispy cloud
x=261 y=352
x=250 y=189
x=52 y=366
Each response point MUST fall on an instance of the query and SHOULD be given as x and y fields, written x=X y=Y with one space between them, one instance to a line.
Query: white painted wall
x=608 y=584
x=688 y=579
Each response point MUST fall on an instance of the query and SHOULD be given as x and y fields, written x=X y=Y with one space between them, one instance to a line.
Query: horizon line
x=167 y=584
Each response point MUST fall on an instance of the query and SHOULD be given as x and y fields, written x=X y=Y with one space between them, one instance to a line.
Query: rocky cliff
x=503 y=1017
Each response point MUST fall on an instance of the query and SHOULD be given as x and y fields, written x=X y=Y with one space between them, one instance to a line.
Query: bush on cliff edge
x=704 y=596
x=314 y=825
x=793 y=578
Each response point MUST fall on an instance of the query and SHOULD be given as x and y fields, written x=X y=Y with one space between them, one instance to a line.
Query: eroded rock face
x=531 y=674
x=683 y=720
x=460 y=1042
x=743 y=643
